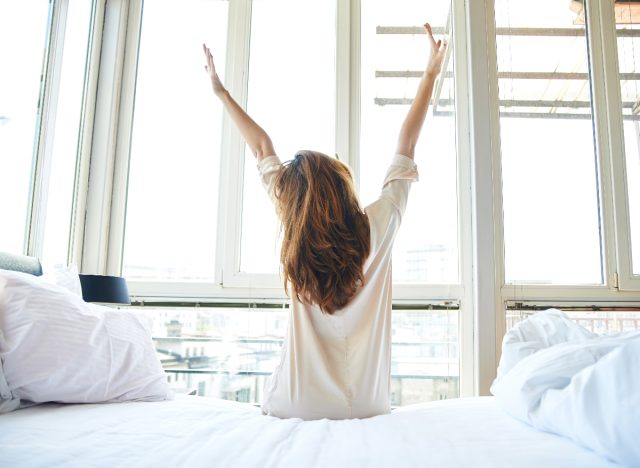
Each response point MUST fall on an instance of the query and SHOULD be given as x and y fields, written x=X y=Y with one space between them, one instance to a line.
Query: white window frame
x=45 y=129
x=347 y=123
x=104 y=246
x=101 y=221
x=486 y=275
x=232 y=168
x=606 y=63
x=88 y=113
x=615 y=232
x=46 y=125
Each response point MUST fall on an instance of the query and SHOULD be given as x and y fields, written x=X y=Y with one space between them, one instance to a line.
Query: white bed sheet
x=196 y=431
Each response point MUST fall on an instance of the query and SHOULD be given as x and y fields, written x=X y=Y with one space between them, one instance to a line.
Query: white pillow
x=56 y=347
x=66 y=276
x=7 y=401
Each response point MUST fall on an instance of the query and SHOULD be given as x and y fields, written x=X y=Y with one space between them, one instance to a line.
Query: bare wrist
x=221 y=93
x=431 y=73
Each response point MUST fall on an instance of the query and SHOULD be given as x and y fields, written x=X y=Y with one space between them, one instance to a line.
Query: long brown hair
x=325 y=232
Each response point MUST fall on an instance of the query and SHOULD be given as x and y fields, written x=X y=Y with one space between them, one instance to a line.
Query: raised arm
x=412 y=125
x=254 y=135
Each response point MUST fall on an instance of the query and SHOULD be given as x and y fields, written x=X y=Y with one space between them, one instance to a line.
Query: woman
x=336 y=260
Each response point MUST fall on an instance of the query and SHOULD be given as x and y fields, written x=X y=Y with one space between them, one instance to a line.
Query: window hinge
x=616 y=284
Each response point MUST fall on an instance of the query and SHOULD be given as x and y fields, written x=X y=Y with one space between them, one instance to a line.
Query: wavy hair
x=325 y=231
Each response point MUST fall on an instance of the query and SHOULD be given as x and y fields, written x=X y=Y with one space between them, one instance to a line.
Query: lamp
x=107 y=289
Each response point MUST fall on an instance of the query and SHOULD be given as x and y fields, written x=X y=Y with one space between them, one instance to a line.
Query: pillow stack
x=54 y=347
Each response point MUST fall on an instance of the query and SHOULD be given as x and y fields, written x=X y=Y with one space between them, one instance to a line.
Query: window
x=549 y=170
x=394 y=55
x=628 y=34
x=24 y=48
x=291 y=92
x=65 y=132
x=230 y=352
x=172 y=202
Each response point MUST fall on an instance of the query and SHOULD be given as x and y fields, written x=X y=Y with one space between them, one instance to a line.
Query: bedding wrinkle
x=229 y=427
x=584 y=388
x=284 y=445
x=322 y=446
x=107 y=389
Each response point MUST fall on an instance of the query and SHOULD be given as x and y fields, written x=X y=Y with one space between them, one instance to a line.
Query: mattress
x=197 y=432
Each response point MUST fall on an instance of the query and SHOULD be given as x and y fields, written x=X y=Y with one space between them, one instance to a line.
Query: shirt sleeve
x=268 y=168
x=401 y=173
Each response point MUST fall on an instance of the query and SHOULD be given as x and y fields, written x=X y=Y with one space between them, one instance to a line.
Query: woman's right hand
x=210 y=68
x=438 y=50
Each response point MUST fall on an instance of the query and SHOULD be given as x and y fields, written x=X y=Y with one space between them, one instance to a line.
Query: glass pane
x=394 y=55
x=292 y=96
x=175 y=150
x=550 y=182
x=67 y=129
x=628 y=30
x=229 y=353
x=23 y=30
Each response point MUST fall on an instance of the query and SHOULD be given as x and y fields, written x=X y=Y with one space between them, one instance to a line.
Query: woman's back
x=337 y=365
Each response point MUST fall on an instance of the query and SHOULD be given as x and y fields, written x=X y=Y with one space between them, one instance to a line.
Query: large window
x=172 y=201
x=394 y=55
x=549 y=176
x=24 y=49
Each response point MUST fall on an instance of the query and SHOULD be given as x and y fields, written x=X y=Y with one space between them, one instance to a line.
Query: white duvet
x=199 y=432
x=561 y=378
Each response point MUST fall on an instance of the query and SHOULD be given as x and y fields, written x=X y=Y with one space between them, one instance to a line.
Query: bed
x=115 y=428
x=197 y=432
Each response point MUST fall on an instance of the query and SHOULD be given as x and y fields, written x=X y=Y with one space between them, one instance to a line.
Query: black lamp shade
x=108 y=289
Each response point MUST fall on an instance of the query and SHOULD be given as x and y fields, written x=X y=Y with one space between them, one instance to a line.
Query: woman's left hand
x=210 y=68
x=438 y=50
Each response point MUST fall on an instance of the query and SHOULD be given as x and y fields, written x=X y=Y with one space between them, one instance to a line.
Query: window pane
x=292 y=96
x=229 y=353
x=175 y=150
x=23 y=29
x=394 y=54
x=628 y=30
x=550 y=182
x=67 y=128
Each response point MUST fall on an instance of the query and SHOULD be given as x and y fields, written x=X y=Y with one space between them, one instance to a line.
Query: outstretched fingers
x=207 y=53
x=205 y=50
x=427 y=28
